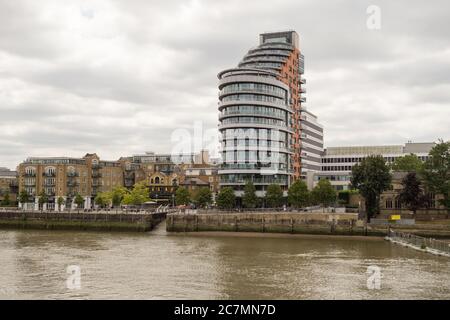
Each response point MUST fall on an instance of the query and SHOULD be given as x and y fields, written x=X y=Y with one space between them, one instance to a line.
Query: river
x=157 y=265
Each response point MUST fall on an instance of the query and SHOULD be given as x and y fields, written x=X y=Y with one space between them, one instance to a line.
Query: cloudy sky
x=124 y=77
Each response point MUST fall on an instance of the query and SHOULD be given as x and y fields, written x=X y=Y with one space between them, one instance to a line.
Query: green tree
x=226 y=198
x=182 y=196
x=24 y=197
x=298 y=194
x=6 y=199
x=324 y=193
x=371 y=177
x=117 y=195
x=79 y=201
x=60 y=202
x=412 y=194
x=102 y=199
x=249 y=199
x=436 y=172
x=410 y=163
x=203 y=197
x=138 y=195
x=274 y=196
x=43 y=199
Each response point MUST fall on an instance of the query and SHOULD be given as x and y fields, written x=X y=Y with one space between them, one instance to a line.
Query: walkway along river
x=161 y=265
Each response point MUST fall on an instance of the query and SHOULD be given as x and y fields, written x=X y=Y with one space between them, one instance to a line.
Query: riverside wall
x=308 y=223
x=103 y=221
x=295 y=223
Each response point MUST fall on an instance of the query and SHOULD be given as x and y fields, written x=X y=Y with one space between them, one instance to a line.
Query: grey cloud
x=118 y=77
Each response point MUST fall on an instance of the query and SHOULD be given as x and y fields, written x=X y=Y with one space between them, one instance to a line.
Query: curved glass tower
x=259 y=104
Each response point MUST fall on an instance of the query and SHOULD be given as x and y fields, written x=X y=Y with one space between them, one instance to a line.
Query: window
x=389 y=204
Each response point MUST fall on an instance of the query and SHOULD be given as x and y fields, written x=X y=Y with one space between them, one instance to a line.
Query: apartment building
x=260 y=105
x=66 y=177
x=8 y=184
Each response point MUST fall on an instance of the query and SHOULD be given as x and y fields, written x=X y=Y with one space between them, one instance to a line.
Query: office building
x=312 y=146
x=337 y=162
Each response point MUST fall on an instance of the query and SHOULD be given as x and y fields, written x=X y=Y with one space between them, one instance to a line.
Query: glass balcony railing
x=253 y=112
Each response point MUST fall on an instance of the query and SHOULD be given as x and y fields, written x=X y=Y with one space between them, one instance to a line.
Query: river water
x=157 y=265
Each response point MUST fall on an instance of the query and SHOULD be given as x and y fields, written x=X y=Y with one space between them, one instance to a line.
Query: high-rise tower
x=259 y=104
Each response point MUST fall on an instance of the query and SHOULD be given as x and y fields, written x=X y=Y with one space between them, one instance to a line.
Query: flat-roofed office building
x=312 y=146
x=337 y=162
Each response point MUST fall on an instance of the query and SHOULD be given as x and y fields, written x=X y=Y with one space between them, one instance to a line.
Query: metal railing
x=420 y=242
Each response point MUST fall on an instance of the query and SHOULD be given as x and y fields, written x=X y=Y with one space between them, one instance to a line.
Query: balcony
x=129 y=183
x=96 y=175
x=72 y=174
x=49 y=184
x=72 y=184
x=128 y=175
x=302 y=80
x=29 y=174
x=95 y=183
x=49 y=174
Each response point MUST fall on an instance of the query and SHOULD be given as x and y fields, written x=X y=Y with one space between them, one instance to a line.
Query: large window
x=265 y=88
x=254 y=97
x=256 y=110
x=255 y=178
x=268 y=121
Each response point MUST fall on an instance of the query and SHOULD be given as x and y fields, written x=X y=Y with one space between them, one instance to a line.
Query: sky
x=124 y=77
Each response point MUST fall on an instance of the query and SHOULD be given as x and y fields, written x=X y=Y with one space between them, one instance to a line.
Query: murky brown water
x=161 y=266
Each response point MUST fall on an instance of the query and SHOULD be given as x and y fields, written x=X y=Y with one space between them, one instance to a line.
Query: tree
x=324 y=193
x=102 y=199
x=138 y=196
x=203 y=197
x=182 y=196
x=117 y=195
x=226 y=198
x=79 y=201
x=412 y=194
x=6 y=200
x=43 y=199
x=409 y=163
x=436 y=172
x=249 y=199
x=274 y=196
x=371 y=177
x=60 y=202
x=24 y=197
x=298 y=194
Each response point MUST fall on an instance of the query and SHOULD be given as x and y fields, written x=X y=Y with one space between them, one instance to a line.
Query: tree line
x=372 y=176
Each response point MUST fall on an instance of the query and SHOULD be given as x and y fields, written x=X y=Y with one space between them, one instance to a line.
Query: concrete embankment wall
x=301 y=223
x=80 y=220
x=421 y=215
x=307 y=223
